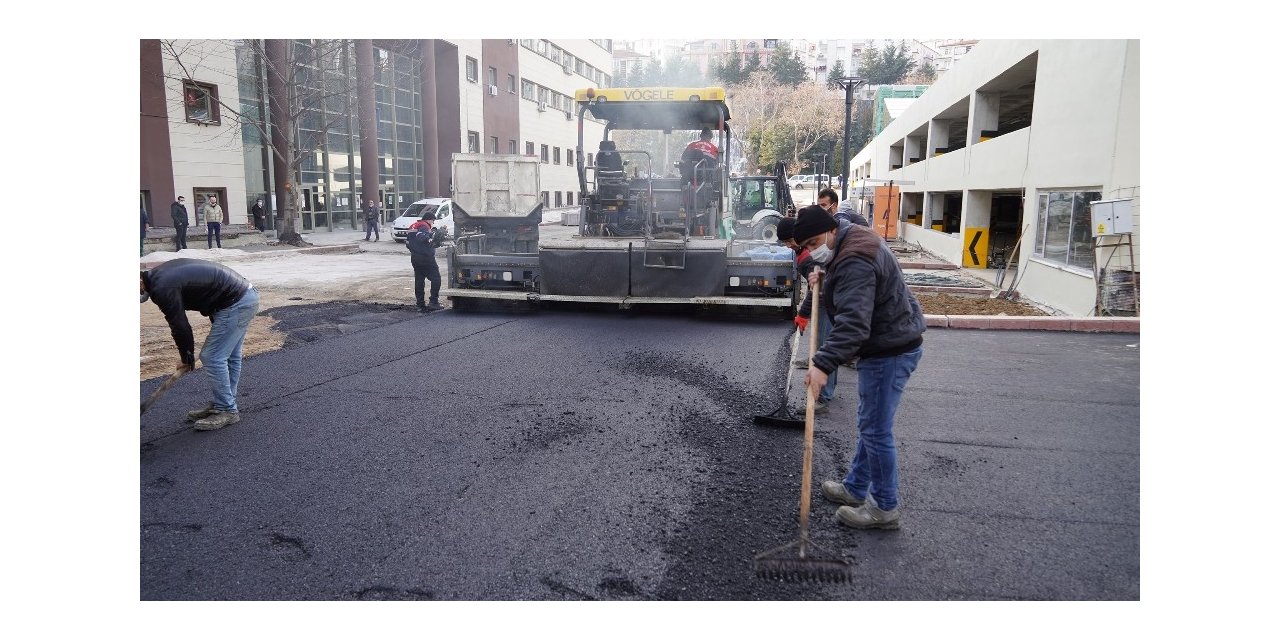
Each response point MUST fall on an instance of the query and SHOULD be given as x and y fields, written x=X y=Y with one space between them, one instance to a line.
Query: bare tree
x=301 y=78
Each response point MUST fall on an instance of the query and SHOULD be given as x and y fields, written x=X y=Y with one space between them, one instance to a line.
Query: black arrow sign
x=972 y=248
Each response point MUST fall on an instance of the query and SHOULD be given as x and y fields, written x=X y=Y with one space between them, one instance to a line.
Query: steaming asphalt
x=561 y=455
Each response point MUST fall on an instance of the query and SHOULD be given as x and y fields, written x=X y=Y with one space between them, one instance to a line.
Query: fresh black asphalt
x=612 y=456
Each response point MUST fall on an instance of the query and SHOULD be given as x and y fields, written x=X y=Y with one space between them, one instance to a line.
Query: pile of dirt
x=948 y=305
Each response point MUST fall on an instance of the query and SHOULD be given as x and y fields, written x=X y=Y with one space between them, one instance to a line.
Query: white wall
x=471 y=94
x=550 y=127
x=205 y=156
x=1084 y=135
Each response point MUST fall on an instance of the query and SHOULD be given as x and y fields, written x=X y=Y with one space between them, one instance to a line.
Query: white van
x=438 y=210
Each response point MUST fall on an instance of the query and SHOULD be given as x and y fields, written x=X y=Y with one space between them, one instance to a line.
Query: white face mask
x=821 y=254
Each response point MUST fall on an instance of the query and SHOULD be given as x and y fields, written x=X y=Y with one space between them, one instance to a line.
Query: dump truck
x=646 y=236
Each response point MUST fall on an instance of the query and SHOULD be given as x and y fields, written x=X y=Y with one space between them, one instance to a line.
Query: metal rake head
x=802 y=561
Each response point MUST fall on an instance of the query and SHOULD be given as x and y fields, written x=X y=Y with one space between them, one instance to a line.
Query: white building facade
x=1014 y=142
x=550 y=72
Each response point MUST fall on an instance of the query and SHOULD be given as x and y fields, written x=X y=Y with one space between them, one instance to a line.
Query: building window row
x=535 y=92
x=568 y=61
x=562 y=198
x=550 y=154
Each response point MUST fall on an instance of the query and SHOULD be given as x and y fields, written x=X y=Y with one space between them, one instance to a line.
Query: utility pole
x=848 y=84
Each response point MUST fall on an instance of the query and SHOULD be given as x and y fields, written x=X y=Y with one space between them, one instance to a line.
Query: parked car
x=438 y=210
x=808 y=181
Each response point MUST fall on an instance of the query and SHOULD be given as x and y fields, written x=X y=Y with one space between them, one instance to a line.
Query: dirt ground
x=159 y=357
x=949 y=305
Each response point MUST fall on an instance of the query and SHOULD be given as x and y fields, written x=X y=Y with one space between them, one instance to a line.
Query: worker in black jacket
x=230 y=302
x=178 y=211
x=876 y=319
x=422 y=242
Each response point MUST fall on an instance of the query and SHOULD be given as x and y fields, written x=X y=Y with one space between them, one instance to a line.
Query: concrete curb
x=1036 y=323
x=980 y=292
x=270 y=253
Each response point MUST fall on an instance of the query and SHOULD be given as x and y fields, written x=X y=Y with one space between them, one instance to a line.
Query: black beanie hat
x=786 y=229
x=811 y=221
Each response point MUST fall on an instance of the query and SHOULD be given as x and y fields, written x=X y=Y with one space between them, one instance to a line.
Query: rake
x=164 y=386
x=801 y=560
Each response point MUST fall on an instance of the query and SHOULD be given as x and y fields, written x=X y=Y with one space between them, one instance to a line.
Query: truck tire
x=766 y=229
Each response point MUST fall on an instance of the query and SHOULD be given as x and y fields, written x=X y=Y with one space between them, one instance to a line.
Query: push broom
x=801 y=560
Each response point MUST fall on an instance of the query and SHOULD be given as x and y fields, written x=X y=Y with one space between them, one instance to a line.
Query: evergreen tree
x=888 y=66
x=835 y=73
x=731 y=71
x=786 y=66
x=752 y=65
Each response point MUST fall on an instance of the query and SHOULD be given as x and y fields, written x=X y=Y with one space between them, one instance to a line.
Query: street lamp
x=848 y=84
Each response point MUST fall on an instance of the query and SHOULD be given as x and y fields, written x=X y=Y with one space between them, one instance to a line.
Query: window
x=201 y=102
x=493 y=76
x=546 y=153
x=511 y=83
x=545 y=199
x=493 y=144
x=568 y=157
x=511 y=147
x=559 y=199
x=542 y=94
x=528 y=148
x=568 y=198
x=541 y=47
x=526 y=89
x=473 y=69
x=1064 y=234
x=770 y=44
x=556 y=155
x=473 y=142
x=591 y=159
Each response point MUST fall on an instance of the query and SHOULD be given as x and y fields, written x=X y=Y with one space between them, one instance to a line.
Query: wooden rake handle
x=806 y=470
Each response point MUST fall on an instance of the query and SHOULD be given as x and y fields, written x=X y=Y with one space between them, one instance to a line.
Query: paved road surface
x=609 y=456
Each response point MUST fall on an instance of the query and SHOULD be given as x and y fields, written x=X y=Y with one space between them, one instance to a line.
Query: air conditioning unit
x=493 y=89
x=542 y=106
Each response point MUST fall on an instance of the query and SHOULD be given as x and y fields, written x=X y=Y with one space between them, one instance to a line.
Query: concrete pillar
x=939 y=133
x=934 y=207
x=975 y=228
x=984 y=114
x=913 y=149
x=430 y=123
x=368 y=118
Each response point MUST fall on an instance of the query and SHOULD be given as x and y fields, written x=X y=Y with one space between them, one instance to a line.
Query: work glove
x=802 y=323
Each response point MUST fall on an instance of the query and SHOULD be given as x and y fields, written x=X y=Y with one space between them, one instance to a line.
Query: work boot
x=836 y=492
x=192 y=416
x=434 y=306
x=820 y=408
x=869 y=516
x=218 y=420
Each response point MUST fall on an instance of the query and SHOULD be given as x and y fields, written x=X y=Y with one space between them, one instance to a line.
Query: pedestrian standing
x=371 y=215
x=143 y=241
x=878 y=321
x=230 y=302
x=422 y=242
x=213 y=219
x=178 y=211
x=259 y=218
x=805 y=264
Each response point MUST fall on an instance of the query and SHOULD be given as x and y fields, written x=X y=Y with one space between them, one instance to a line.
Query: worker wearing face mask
x=876 y=319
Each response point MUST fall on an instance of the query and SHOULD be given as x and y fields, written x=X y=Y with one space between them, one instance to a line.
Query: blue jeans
x=875 y=459
x=824 y=332
x=221 y=354
x=371 y=228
